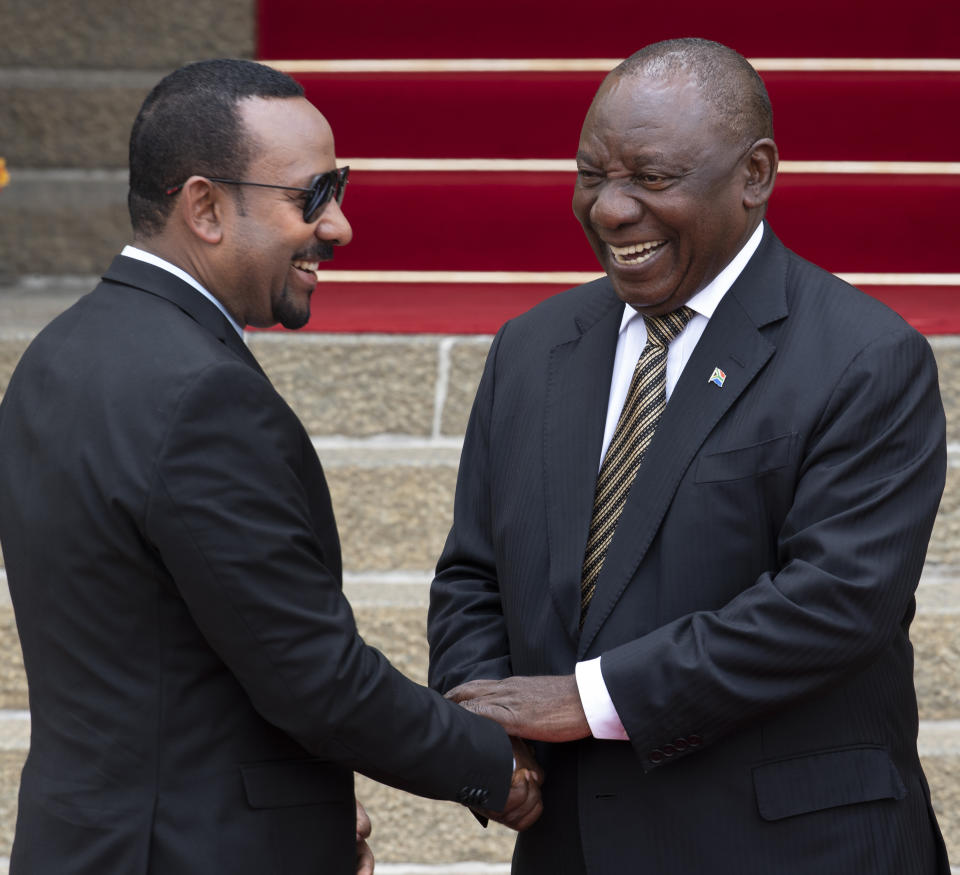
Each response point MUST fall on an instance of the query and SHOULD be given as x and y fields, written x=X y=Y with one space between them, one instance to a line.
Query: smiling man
x=693 y=506
x=199 y=695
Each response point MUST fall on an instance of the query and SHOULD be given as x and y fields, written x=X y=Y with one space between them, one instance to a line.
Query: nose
x=333 y=226
x=614 y=207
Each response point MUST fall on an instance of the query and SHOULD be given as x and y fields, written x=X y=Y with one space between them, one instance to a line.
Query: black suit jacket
x=199 y=694
x=752 y=613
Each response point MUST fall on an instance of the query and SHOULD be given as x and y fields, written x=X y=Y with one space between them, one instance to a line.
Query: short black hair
x=727 y=79
x=190 y=124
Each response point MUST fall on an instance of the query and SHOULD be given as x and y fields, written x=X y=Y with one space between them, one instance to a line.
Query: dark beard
x=288 y=314
x=284 y=310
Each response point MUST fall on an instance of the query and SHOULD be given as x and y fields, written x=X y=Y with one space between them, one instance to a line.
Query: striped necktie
x=645 y=402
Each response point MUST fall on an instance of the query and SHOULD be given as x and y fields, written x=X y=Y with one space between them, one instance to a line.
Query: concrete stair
x=392 y=469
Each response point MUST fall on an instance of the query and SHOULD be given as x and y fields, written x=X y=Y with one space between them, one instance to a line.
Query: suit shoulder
x=836 y=308
x=132 y=346
x=576 y=309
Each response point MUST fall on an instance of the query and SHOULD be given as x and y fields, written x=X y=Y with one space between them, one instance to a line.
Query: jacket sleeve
x=850 y=553
x=466 y=627
x=230 y=515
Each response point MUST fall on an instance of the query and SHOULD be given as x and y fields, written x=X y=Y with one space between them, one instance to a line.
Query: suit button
x=694 y=740
x=656 y=756
x=472 y=796
x=669 y=750
x=680 y=744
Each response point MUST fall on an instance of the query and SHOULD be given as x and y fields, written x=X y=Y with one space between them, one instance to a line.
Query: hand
x=364 y=854
x=545 y=708
x=524 y=805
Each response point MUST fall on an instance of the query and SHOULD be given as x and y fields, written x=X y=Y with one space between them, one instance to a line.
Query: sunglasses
x=324 y=186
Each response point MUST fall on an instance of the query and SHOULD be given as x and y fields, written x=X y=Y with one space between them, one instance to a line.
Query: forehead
x=665 y=114
x=288 y=133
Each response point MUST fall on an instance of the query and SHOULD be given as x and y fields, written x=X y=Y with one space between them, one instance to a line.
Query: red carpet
x=847 y=116
x=607 y=29
x=474 y=308
x=523 y=221
x=874 y=222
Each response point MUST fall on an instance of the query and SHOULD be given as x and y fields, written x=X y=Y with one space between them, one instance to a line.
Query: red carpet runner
x=460 y=195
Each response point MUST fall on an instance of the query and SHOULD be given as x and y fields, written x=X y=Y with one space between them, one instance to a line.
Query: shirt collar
x=163 y=264
x=705 y=301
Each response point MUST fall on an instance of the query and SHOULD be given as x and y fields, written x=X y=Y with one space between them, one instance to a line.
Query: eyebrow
x=635 y=161
x=653 y=158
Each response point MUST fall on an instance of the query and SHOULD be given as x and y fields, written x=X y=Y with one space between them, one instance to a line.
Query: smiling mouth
x=637 y=253
x=306 y=266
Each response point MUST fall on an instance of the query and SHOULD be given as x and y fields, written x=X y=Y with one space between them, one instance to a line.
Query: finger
x=529 y=800
x=522 y=804
x=364 y=827
x=530 y=775
x=365 y=861
x=525 y=759
x=536 y=776
x=469 y=690
x=532 y=816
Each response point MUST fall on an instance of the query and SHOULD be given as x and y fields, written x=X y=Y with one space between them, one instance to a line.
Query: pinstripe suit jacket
x=753 y=610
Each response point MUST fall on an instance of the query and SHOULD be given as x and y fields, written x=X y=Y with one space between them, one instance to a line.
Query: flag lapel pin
x=717 y=377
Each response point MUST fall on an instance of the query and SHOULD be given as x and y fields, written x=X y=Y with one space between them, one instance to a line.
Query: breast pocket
x=750 y=461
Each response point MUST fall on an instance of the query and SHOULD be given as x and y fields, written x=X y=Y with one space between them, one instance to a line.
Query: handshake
x=533 y=708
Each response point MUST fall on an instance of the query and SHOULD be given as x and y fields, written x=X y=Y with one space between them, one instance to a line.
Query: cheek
x=582 y=202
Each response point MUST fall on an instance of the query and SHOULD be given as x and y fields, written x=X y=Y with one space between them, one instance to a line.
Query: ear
x=201 y=209
x=761 y=162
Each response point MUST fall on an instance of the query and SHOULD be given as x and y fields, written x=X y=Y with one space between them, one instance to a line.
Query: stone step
x=68 y=221
x=391 y=612
x=393 y=501
x=395 y=516
x=357 y=385
x=442 y=837
x=134 y=35
x=392 y=467
x=388 y=413
x=403 y=404
x=70 y=118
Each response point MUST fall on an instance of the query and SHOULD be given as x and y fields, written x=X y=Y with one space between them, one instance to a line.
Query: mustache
x=321 y=251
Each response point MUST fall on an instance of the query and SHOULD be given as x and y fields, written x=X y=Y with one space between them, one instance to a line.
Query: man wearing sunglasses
x=200 y=697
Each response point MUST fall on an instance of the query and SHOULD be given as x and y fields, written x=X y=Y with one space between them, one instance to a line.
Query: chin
x=293 y=319
x=646 y=301
x=289 y=313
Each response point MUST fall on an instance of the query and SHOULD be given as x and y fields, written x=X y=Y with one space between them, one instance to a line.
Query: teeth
x=636 y=253
x=306 y=265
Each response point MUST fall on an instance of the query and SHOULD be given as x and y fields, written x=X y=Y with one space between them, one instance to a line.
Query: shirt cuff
x=602 y=716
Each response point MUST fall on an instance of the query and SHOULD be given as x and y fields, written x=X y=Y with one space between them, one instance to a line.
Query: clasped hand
x=524 y=805
x=544 y=708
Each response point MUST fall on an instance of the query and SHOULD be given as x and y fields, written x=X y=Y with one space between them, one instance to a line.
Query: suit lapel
x=157 y=281
x=733 y=342
x=578 y=386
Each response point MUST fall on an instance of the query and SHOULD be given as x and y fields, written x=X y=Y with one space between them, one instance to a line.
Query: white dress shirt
x=157 y=261
x=597 y=705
